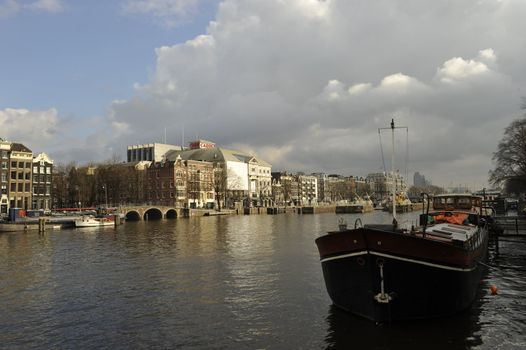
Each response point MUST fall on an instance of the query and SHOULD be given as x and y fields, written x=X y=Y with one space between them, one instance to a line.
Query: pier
x=507 y=226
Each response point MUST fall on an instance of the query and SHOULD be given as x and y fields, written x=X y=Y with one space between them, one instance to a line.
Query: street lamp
x=105 y=194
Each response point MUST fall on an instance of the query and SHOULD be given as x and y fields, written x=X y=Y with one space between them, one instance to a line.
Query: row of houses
x=25 y=179
x=200 y=176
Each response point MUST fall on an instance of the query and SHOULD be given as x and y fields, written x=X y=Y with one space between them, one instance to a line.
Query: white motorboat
x=90 y=221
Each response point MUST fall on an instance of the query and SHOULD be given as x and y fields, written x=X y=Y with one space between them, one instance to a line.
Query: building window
x=20 y=187
x=13 y=165
x=35 y=170
x=13 y=187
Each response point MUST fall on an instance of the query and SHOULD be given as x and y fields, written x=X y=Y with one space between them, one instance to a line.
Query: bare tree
x=510 y=158
x=220 y=184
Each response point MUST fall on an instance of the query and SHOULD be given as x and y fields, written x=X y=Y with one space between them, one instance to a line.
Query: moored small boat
x=361 y=205
x=90 y=221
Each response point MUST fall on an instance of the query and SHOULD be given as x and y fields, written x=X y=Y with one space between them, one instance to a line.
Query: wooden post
x=117 y=220
x=41 y=224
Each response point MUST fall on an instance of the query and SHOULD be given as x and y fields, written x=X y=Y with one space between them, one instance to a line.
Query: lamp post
x=105 y=187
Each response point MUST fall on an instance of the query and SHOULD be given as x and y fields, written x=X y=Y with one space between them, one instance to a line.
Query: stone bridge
x=150 y=212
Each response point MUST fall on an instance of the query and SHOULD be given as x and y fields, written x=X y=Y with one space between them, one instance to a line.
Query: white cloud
x=31 y=127
x=10 y=8
x=487 y=55
x=357 y=89
x=457 y=69
x=306 y=84
x=169 y=12
x=334 y=90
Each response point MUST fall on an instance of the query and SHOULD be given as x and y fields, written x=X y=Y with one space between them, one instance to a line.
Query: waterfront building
x=5 y=148
x=243 y=177
x=42 y=182
x=362 y=186
x=153 y=152
x=308 y=189
x=181 y=183
x=381 y=184
x=286 y=188
x=322 y=185
x=340 y=188
x=163 y=180
x=19 y=180
x=200 y=188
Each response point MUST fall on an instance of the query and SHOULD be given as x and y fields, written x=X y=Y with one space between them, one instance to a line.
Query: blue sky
x=303 y=84
x=81 y=58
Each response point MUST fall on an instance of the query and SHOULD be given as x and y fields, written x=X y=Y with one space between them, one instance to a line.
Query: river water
x=237 y=282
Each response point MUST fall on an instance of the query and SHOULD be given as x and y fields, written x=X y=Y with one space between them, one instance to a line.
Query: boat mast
x=393 y=178
x=392 y=169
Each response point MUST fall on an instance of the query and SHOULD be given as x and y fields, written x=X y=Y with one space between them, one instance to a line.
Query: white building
x=308 y=189
x=382 y=183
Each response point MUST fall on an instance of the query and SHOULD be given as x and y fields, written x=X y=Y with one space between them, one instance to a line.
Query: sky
x=303 y=84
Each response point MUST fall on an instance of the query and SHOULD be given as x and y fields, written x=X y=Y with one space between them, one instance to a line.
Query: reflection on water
x=458 y=332
x=218 y=282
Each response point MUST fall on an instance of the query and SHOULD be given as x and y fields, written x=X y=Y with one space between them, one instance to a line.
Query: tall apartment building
x=42 y=179
x=322 y=187
x=308 y=189
x=20 y=165
x=5 y=149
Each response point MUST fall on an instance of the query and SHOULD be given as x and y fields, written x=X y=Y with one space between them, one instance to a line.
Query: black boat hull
x=414 y=287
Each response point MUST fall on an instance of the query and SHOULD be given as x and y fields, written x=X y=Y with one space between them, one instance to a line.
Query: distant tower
x=419 y=180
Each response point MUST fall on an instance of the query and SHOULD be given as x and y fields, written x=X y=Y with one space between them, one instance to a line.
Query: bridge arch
x=133 y=215
x=171 y=214
x=153 y=214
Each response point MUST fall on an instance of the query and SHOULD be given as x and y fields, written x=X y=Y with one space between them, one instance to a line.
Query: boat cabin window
x=455 y=202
